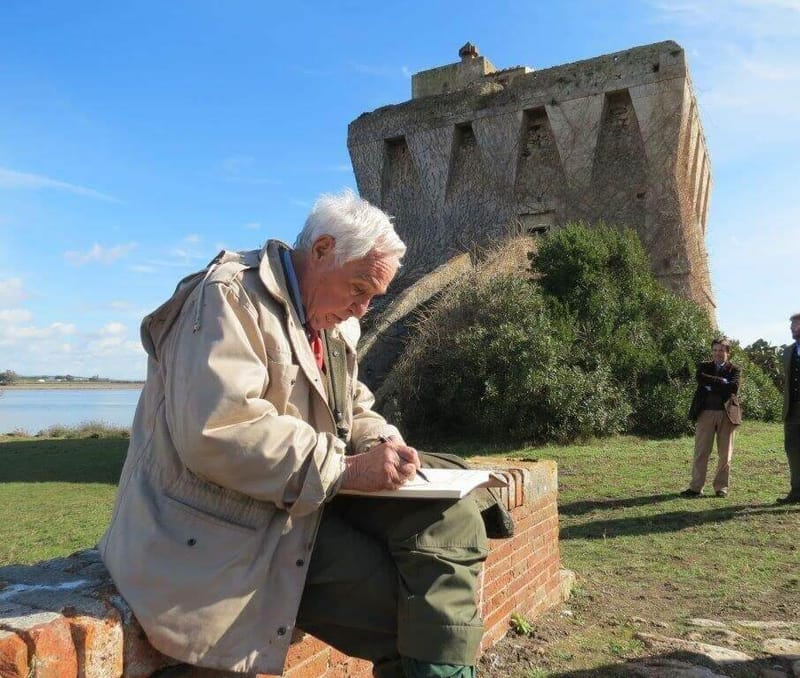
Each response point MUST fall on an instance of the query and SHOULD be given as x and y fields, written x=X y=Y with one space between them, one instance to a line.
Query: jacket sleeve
x=732 y=387
x=368 y=426
x=706 y=379
x=223 y=428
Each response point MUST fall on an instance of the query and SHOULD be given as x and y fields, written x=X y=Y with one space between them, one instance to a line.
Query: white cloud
x=98 y=253
x=60 y=348
x=113 y=346
x=142 y=268
x=15 y=316
x=252 y=225
x=192 y=239
x=11 y=291
x=15 y=180
x=113 y=329
x=187 y=254
x=11 y=334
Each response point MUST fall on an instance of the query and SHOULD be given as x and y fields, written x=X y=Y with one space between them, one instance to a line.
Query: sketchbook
x=441 y=483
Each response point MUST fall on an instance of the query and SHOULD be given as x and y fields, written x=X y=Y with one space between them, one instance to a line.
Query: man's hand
x=384 y=467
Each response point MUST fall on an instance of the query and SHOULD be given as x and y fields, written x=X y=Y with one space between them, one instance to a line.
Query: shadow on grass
x=72 y=460
x=676 y=664
x=672 y=521
x=578 y=508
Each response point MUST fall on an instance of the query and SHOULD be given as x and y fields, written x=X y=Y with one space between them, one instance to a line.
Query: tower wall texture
x=616 y=139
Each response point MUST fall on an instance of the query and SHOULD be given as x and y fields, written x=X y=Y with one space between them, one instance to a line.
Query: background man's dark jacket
x=707 y=376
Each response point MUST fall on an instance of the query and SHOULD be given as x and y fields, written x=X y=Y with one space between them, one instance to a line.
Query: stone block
x=13 y=656
x=49 y=640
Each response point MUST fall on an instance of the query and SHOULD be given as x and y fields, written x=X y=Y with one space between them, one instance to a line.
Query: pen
x=384 y=439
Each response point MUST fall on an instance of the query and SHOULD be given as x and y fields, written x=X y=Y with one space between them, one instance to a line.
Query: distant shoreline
x=73 y=385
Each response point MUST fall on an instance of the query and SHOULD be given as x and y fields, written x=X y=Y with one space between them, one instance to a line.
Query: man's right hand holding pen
x=386 y=466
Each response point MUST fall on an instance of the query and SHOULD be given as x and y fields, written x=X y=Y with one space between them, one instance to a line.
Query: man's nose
x=358 y=309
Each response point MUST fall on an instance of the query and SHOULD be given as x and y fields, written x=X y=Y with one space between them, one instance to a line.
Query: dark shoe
x=721 y=494
x=691 y=493
x=788 y=499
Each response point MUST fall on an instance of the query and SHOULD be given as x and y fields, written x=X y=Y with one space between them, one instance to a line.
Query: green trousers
x=395 y=581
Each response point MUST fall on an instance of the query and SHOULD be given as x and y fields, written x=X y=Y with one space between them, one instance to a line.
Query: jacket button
x=282 y=631
x=300 y=562
x=335 y=353
x=191 y=542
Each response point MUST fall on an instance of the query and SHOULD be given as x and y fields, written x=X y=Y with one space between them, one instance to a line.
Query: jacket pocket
x=195 y=514
x=213 y=503
x=282 y=378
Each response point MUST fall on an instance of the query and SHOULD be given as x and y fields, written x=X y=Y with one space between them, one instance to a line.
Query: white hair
x=357 y=226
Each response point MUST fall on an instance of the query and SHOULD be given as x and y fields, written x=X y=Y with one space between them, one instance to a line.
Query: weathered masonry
x=479 y=153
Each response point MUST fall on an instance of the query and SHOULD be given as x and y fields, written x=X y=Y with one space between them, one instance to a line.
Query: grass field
x=638 y=549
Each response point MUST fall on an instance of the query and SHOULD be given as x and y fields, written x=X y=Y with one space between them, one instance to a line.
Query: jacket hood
x=156 y=325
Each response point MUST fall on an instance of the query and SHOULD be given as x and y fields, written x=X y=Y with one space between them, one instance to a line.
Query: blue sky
x=139 y=138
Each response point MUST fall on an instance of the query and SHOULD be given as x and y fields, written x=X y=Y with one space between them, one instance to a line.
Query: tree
x=8 y=377
x=768 y=358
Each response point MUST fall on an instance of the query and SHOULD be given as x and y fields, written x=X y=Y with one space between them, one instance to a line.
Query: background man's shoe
x=691 y=493
x=721 y=493
x=788 y=499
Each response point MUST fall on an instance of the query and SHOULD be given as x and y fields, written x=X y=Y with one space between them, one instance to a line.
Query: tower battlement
x=478 y=154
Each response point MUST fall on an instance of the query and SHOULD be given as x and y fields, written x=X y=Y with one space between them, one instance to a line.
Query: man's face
x=718 y=353
x=334 y=293
x=795 y=327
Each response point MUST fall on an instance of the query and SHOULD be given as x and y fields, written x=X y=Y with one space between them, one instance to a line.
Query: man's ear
x=322 y=247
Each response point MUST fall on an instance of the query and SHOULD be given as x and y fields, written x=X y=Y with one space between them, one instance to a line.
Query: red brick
x=316 y=667
x=98 y=646
x=519 y=486
x=140 y=659
x=49 y=642
x=349 y=667
x=13 y=656
x=498 y=554
x=304 y=650
x=500 y=583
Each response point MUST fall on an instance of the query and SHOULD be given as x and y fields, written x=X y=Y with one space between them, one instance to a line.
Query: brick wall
x=63 y=618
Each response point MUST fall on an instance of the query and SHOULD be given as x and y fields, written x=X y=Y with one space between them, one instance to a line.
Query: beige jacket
x=233 y=454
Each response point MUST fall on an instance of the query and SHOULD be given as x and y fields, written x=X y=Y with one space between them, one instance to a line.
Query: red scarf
x=315 y=340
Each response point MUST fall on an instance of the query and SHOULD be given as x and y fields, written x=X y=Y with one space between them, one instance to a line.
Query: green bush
x=661 y=409
x=86 y=429
x=594 y=346
x=488 y=360
x=769 y=359
x=759 y=397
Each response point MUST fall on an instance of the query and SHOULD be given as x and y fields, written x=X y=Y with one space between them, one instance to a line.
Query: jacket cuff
x=328 y=458
x=368 y=442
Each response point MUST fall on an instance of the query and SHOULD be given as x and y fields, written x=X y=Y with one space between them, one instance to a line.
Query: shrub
x=759 y=397
x=768 y=358
x=488 y=360
x=594 y=345
x=651 y=338
x=662 y=409
x=87 y=429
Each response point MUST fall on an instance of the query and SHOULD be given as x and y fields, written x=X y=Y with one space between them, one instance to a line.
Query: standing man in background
x=791 y=411
x=716 y=410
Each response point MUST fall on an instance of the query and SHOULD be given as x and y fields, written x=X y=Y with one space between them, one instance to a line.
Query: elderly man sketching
x=251 y=421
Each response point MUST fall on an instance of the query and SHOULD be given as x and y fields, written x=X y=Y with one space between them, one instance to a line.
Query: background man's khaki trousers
x=711 y=424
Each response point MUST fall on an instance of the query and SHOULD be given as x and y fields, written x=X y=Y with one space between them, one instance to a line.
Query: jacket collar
x=271 y=273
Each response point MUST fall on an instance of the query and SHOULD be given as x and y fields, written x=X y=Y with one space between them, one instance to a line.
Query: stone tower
x=478 y=154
